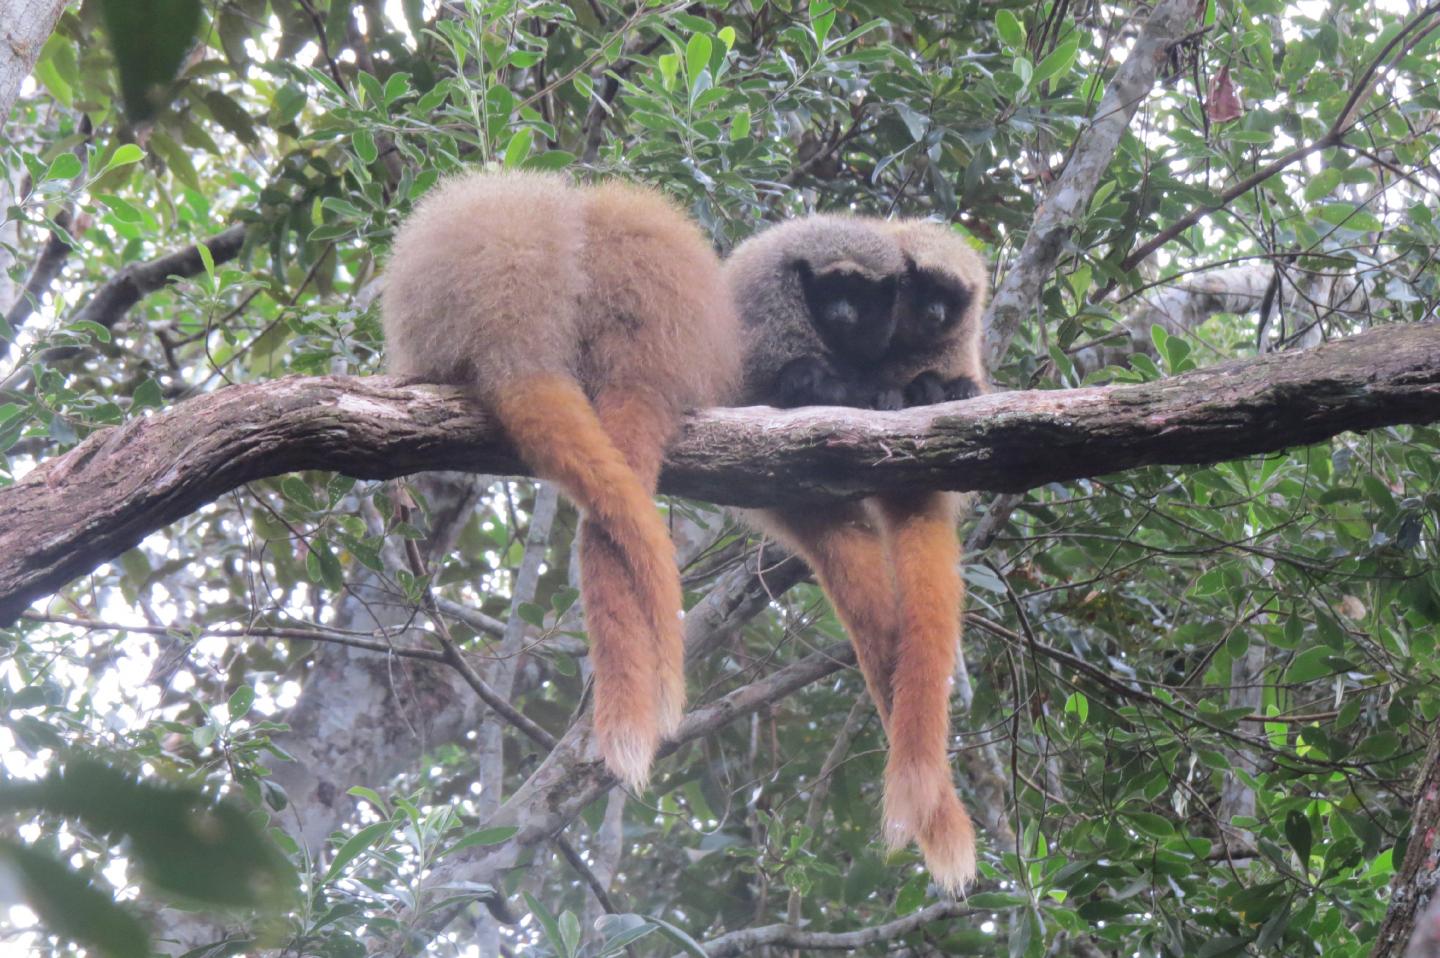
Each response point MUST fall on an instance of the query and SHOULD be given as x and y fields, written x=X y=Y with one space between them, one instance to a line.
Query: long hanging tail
x=920 y=799
x=629 y=582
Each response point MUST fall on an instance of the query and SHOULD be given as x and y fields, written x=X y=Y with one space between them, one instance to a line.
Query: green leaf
x=356 y=844
x=364 y=143
x=66 y=166
x=183 y=843
x=240 y=701
x=1009 y=28
x=822 y=18
x=396 y=86
x=1297 y=833
x=1152 y=825
x=124 y=155
x=570 y=932
x=297 y=490
x=1310 y=665
x=71 y=907
x=697 y=57
x=147 y=395
x=1350 y=217
x=547 y=923
x=1322 y=184
x=687 y=944
x=485 y=836
x=207 y=259
x=122 y=209
x=1059 y=61
x=149 y=39
x=740 y=125
x=519 y=147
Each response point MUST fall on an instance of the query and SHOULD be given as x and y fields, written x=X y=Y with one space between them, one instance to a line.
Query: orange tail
x=920 y=799
x=848 y=556
x=628 y=575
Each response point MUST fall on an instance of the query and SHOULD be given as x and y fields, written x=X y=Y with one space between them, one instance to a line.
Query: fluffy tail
x=628 y=579
x=920 y=799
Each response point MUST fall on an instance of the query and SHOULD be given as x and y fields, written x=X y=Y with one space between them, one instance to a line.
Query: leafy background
x=1195 y=699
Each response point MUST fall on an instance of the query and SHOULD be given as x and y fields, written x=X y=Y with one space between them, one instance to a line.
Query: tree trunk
x=1414 y=914
x=25 y=25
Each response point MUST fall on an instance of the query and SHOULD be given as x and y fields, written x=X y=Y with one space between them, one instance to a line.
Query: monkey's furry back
x=496 y=277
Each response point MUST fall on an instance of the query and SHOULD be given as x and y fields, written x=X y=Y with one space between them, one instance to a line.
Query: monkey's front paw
x=926 y=389
x=961 y=387
x=887 y=399
x=808 y=381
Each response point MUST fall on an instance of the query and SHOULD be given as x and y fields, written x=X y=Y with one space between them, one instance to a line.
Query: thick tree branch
x=88 y=506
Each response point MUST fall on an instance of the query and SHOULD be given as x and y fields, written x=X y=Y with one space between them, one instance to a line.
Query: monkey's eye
x=935 y=314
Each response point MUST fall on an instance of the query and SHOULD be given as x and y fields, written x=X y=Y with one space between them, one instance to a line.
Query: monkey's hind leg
x=848 y=557
x=560 y=435
x=640 y=426
x=920 y=799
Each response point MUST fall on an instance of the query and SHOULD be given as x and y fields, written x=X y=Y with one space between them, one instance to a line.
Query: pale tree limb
x=1069 y=197
x=25 y=25
x=747 y=940
x=83 y=508
x=572 y=776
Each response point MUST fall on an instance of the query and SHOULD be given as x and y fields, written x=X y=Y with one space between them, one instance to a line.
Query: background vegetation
x=1195 y=701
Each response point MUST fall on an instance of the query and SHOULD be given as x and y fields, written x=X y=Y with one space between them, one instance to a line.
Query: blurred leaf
x=149 y=39
x=71 y=907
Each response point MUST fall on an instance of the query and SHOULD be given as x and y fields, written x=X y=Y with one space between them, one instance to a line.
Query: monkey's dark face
x=932 y=305
x=853 y=310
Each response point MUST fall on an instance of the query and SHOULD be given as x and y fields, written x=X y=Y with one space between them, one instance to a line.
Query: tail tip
x=628 y=753
x=935 y=819
x=949 y=852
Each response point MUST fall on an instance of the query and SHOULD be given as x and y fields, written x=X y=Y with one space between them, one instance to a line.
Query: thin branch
x=788 y=936
x=314 y=634
x=1344 y=121
x=1068 y=199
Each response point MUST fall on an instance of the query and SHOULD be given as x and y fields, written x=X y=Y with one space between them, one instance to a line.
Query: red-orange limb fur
x=641 y=426
x=562 y=438
x=850 y=560
x=920 y=799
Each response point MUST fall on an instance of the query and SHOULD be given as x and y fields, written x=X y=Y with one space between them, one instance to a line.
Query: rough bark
x=1414 y=914
x=25 y=25
x=89 y=505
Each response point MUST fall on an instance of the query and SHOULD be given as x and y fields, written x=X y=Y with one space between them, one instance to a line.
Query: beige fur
x=587 y=320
